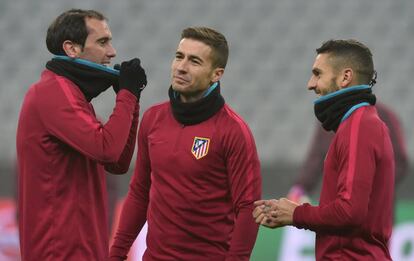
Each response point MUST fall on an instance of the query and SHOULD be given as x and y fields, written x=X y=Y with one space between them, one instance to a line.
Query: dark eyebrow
x=195 y=57
x=190 y=57
x=316 y=71
x=106 y=39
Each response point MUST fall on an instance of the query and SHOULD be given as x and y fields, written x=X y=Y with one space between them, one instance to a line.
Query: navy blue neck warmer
x=335 y=107
x=91 y=78
x=195 y=112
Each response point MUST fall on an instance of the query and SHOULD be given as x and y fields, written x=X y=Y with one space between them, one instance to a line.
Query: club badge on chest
x=200 y=147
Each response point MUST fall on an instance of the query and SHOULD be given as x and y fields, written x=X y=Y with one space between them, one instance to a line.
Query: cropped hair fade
x=212 y=38
x=70 y=25
x=353 y=54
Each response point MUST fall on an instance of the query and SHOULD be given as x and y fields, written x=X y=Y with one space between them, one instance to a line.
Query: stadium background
x=272 y=48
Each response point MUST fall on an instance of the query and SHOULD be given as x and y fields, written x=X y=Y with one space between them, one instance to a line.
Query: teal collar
x=87 y=63
x=341 y=91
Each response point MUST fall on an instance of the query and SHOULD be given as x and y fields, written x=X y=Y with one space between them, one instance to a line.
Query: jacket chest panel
x=187 y=152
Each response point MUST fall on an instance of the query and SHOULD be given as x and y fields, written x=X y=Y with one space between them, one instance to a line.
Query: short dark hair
x=70 y=25
x=212 y=38
x=350 y=53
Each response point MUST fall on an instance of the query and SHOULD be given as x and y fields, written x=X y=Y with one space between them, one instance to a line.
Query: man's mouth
x=181 y=79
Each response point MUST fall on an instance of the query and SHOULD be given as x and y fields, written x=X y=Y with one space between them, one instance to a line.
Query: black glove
x=115 y=86
x=132 y=77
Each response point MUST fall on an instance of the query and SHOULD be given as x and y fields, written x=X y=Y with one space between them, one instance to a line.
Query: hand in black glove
x=115 y=86
x=132 y=77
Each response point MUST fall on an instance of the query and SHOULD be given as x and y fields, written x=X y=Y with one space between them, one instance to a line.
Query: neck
x=91 y=78
x=193 y=98
x=190 y=98
x=87 y=63
x=196 y=112
x=341 y=91
x=335 y=107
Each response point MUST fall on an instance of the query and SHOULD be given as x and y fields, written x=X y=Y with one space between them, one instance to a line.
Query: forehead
x=194 y=47
x=323 y=61
x=97 y=27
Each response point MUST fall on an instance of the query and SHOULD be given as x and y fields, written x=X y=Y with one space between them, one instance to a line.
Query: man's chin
x=178 y=87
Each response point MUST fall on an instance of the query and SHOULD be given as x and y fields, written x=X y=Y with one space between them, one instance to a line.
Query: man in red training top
x=197 y=172
x=62 y=149
x=312 y=168
x=354 y=218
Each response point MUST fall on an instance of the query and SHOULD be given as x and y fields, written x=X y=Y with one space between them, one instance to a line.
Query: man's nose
x=182 y=65
x=312 y=84
x=111 y=51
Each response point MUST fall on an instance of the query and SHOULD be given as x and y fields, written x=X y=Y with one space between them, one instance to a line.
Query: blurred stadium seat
x=272 y=47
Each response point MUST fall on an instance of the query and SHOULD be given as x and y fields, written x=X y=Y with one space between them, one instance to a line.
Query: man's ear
x=217 y=74
x=347 y=77
x=71 y=49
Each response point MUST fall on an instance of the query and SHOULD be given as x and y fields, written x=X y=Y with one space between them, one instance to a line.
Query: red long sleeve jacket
x=354 y=218
x=311 y=171
x=195 y=185
x=62 y=150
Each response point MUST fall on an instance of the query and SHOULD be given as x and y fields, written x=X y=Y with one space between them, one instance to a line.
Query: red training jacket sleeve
x=123 y=163
x=245 y=186
x=70 y=119
x=134 y=211
x=356 y=151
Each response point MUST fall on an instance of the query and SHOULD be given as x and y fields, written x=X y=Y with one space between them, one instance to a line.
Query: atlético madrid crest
x=200 y=147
